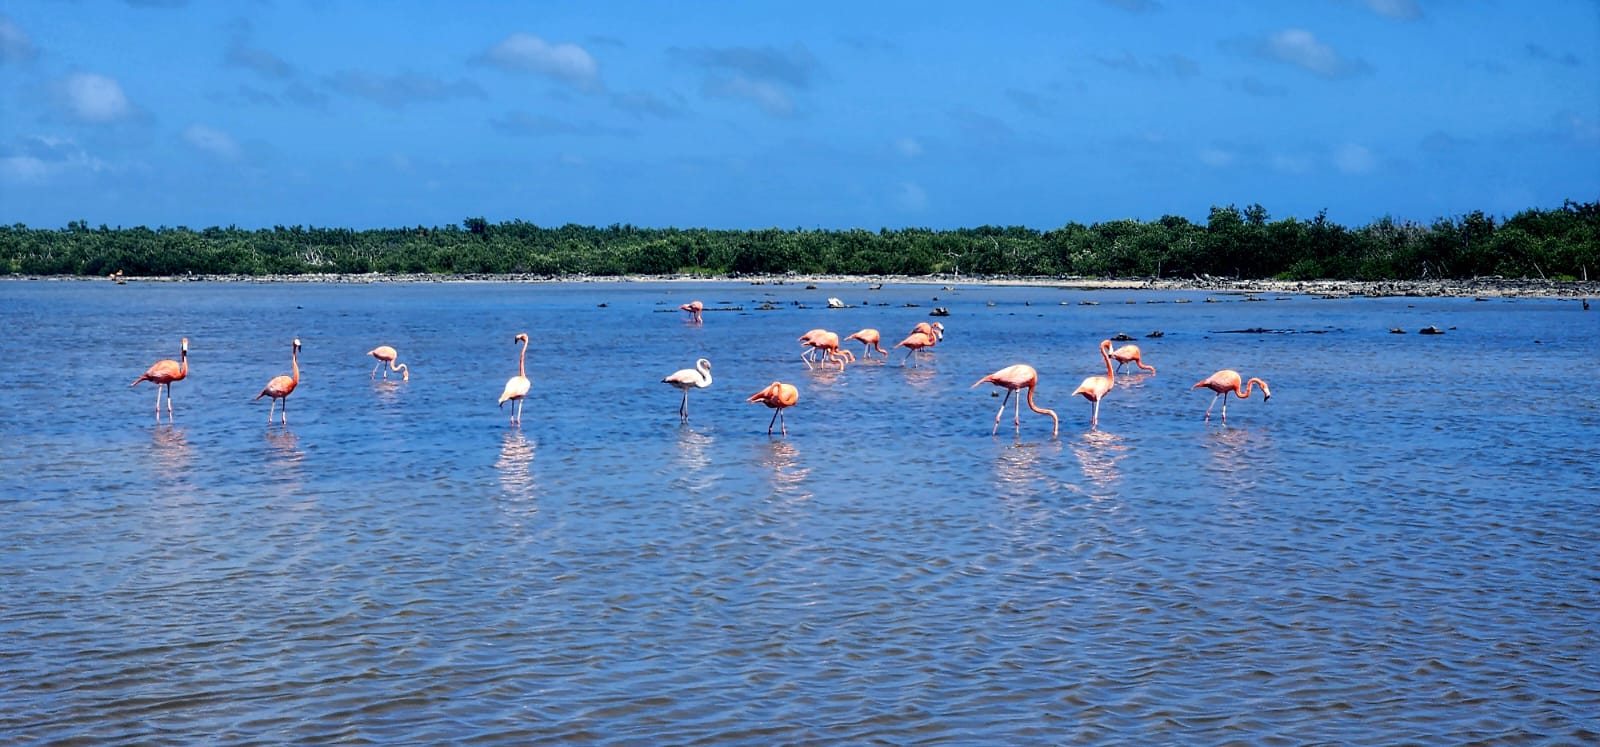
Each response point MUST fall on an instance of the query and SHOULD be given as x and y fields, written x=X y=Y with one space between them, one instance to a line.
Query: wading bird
x=1095 y=388
x=517 y=386
x=694 y=308
x=1012 y=379
x=280 y=387
x=1130 y=354
x=386 y=354
x=163 y=373
x=777 y=396
x=869 y=338
x=1225 y=382
x=828 y=343
x=698 y=377
x=914 y=345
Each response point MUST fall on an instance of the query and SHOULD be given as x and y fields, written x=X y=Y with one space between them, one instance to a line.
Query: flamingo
x=1095 y=388
x=698 y=377
x=828 y=343
x=280 y=387
x=1014 y=378
x=386 y=354
x=777 y=396
x=1227 y=381
x=935 y=330
x=517 y=386
x=163 y=373
x=869 y=338
x=1130 y=354
x=805 y=342
x=694 y=308
x=914 y=345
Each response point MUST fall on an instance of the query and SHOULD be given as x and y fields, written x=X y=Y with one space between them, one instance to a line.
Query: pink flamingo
x=869 y=338
x=386 y=354
x=517 y=386
x=280 y=387
x=698 y=377
x=1225 y=382
x=828 y=343
x=694 y=308
x=1130 y=354
x=1014 y=378
x=934 y=330
x=778 y=396
x=164 y=372
x=914 y=345
x=1095 y=388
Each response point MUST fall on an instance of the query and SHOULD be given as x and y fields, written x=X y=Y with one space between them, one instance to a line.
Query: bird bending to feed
x=935 y=330
x=1130 y=354
x=1225 y=382
x=386 y=354
x=281 y=386
x=694 y=308
x=828 y=343
x=517 y=386
x=164 y=372
x=777 y=396
x=914 y=344
x=1014 y=378
x=869 y=338
x=698 y=377
x=1095 y=388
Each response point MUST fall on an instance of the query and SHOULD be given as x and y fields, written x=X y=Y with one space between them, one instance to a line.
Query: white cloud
x=1354 y=159
x=39 y=158
x=1402 y=10
x=1216 y=157
x=768 y=96
x=94 y=98
x=1291 y=164
x=908 y=147
x=212 y=141
x=911 y=196
x=15 y=46
x=1301 y=48
x=527 y=53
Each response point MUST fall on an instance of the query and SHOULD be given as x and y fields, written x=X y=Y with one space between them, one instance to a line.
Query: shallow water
x=1398 y=547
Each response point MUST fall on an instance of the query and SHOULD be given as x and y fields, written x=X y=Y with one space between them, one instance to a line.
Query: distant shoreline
x=1475 y=287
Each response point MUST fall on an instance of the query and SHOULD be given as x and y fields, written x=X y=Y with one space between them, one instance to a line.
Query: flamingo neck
x=294 y=364
x=1044 y=411
x=1248 y=387
x=183 y=363
x=522 y=360
x=1111 y=373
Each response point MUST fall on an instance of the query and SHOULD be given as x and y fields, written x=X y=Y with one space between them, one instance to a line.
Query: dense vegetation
x=1555 y=244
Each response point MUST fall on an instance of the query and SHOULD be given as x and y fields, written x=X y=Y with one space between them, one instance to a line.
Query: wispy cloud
x=526 y=53
x=1541 y=54
x=1302 y=49
x=399 y=91
x=523 y=124
x=642 y=103
x=39 y=158
x=1174 y=65
x=908 y=147
x=15 y=45
x=1134 y=6
x=93 y=98
x=212 y=142
x=1256 y=87
x=240 y=54
x=1217 y=157
x=1400 y=10
x=1351 y=158
x=911 y=196
x=764 y=76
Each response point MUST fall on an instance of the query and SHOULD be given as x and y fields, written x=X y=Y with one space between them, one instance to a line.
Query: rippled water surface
x=1398 y=547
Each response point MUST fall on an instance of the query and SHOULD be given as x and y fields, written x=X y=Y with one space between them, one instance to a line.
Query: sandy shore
x=1476 y=287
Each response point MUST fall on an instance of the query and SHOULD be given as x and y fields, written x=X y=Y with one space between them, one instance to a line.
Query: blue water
x=1398 y=547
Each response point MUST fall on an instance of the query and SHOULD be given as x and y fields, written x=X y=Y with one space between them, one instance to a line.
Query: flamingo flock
x=822 y=347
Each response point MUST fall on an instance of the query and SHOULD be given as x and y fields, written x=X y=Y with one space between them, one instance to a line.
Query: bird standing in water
x=1095 y=388
x=1013 y=379
x=869 y=338
x=777 y=396
x=164 y=372
x=517 y=386
x=1225 y=382
x=1130 y=354
x=698 y=377
x=694 y=308
x=280 y=387
x=386 y=354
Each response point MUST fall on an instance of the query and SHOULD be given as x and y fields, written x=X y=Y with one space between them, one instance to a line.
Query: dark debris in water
x=1265 y=331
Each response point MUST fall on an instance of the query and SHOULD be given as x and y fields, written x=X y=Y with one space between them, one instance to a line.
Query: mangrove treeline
x=1245 y=243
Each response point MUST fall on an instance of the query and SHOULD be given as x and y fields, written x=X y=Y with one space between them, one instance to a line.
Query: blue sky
x=816 y=114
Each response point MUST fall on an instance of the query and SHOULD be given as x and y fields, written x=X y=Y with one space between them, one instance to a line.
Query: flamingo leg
x=1094 y=416
x=783 y=425
x=169 y=402
x=1214 y=404
x=775 y=414
x=374 y=373
x=285 y=412
x=1224 y=407
x=803 y=356
x=272 y=404
x=683 y=409
x=1002 y=412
